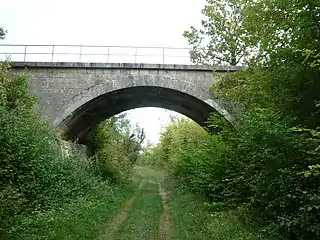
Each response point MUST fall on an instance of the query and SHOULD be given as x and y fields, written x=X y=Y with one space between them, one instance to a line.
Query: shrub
x=116 y=146
x=265 y=164
x=35 y=178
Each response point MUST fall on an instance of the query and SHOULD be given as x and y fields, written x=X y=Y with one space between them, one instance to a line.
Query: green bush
x=116 y=147
x=33 y=174
x=270 y=160
x=264 y=164
x=37 y=184
x=83 y=218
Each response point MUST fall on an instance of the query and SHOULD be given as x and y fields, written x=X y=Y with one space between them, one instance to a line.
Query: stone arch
x=69 y=92
x=87 y=112
x=96 y=89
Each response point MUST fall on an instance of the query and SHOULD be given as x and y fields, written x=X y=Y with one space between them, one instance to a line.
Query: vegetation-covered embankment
x=269 y=162
x=44 y=195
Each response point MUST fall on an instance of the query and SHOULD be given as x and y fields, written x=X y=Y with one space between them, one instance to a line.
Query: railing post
x=162 y=55
x=135 y=56
x=52 y=53
x=80 y=53
x=25 y=53
x=108 y=55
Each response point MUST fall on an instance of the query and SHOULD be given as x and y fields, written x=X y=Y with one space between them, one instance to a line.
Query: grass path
x=113 y=226
x=158 y=214
x=165 y=225
x=144 y=216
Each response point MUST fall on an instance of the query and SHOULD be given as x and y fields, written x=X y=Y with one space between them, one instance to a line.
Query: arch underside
x=84 y=119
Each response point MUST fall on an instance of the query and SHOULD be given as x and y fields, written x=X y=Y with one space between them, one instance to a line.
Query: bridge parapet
x=91 y=53
x=95 y=65
x=102 y=56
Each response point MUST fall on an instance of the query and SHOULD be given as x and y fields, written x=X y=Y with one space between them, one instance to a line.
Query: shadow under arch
x=86 y=117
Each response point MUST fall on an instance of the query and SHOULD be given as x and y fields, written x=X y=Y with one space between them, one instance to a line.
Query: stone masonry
x=75 y=97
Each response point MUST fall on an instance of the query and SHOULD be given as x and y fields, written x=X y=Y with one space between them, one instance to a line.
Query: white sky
x=152 y=119
x=104 y=22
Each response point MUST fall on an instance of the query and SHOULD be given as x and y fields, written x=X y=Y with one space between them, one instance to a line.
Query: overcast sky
x=104 y=22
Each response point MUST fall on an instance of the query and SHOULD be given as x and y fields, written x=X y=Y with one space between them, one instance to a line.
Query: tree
x=116 y=145
x=278 y=25
x=272 y=161
x=284 y=76
x=221 y=39
x=2 y=33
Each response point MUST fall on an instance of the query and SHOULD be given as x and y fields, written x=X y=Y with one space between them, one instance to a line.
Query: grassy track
x=143 y=220
x=158 y=214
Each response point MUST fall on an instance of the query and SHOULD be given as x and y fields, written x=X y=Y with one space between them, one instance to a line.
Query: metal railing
x=89 y=53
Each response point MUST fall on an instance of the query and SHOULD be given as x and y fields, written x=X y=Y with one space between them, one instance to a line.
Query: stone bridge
x=75 y=97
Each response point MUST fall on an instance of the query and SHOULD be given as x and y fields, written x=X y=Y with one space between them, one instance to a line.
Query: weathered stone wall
x=71 y=94
x=73 y=149
x=63 y=87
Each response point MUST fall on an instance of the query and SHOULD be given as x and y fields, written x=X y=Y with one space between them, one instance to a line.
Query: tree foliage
x=221 y=38
x=33 y=174
x=265 y=164
x=36 y=181
x=2 y=33
x=276 y=25
x=270 y=161
x=116 y=145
